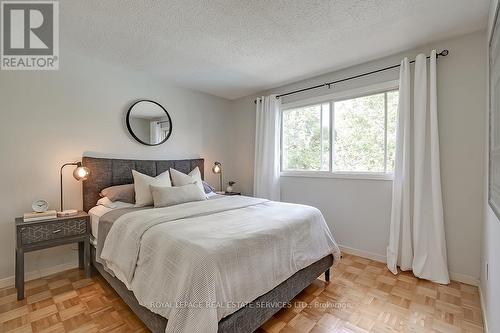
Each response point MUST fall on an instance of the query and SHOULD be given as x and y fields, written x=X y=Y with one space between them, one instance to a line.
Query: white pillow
x=142 y=182
x=164 y=196
x=181 y=179
x=106 y=202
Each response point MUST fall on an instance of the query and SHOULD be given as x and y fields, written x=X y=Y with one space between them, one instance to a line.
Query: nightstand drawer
x=51 y=230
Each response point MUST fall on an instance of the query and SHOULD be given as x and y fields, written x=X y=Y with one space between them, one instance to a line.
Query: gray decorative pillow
x=124 y=193
x=207 y=187
x=164 y=196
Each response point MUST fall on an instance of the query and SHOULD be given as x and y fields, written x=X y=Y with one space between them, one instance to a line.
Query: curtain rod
x=443 y=53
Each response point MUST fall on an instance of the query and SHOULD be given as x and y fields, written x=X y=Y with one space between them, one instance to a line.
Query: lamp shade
x=217 y=168
x=81 y=173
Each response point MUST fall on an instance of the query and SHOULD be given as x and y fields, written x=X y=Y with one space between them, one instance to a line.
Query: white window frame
x=331 y=99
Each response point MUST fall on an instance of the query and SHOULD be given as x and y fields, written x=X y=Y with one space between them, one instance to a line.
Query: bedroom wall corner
x=490 y=246
x=53 y=117
x=461 y=87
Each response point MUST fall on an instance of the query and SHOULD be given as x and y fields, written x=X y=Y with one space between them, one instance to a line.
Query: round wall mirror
x=149 y=123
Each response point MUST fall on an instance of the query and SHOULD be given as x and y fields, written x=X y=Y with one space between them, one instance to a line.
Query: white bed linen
x=227 y=252
x=104 y=205
x=97 y=212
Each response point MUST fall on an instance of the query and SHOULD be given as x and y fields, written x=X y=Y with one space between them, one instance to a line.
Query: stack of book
x=48 y=215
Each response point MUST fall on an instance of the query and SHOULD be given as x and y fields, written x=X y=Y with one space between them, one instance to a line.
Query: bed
x=247 y=318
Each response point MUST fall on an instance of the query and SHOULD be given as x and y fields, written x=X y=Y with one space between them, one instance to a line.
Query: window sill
x=338 y=175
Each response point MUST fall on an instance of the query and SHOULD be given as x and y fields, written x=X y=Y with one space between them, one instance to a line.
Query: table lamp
x=217 y=169
x=80 y=173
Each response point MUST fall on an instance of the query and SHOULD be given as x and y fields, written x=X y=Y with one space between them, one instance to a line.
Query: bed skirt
x=246 y=319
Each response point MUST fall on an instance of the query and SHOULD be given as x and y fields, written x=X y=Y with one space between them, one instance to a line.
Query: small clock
x=40 y=206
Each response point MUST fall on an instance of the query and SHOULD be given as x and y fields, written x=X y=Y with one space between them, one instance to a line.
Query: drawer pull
x=56 y=231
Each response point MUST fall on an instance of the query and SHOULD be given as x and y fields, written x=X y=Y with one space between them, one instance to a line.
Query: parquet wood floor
x=363 y=296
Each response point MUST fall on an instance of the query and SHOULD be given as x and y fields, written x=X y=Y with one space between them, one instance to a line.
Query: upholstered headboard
x=105 y=172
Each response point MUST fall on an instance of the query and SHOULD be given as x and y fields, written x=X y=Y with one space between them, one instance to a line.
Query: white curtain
x=157 y=131
x=266 y=182
x=164 y=127
x=417 y=240
x=400 y=243
x=154 y=132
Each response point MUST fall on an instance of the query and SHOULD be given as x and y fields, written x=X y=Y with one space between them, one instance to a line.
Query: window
x=349 y=134
x=306 y=138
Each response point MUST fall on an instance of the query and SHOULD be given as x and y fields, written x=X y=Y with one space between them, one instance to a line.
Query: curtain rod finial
x=444 y=53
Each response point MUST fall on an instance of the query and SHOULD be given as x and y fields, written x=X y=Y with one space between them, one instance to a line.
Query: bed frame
x=105 y=172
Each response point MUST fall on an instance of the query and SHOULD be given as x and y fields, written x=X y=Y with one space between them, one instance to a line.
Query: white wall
x=490 y=282
x=48 y=118
x=141 y=128
x=358 y=211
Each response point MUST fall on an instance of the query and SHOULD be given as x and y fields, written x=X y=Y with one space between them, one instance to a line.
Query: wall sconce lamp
x=80 y=173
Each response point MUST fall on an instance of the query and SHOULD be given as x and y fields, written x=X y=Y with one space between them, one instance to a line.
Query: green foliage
x=302 y=138
x=359 y=136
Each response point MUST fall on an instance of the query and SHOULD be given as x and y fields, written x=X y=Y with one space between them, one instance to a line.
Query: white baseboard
x=363 y=254
x=10 y=281
x=467 y=279
x=483 y=309
x=464 y=278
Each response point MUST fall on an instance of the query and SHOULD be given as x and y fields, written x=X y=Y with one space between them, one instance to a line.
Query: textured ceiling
x=234 y=48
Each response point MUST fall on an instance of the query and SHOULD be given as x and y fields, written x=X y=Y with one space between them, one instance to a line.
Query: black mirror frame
x=132 y=132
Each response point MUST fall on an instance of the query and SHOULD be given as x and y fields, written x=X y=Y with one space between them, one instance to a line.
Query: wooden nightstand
x=232 y=193
x=37 y=235
x=228 y=193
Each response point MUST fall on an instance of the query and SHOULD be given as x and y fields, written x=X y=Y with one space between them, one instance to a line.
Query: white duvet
x=198 y=262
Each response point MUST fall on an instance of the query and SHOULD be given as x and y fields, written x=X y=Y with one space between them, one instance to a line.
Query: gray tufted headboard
x=105 y=172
